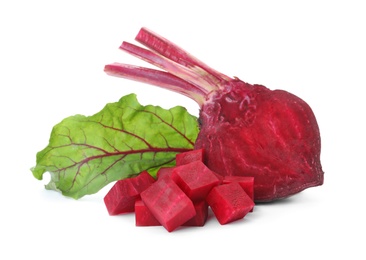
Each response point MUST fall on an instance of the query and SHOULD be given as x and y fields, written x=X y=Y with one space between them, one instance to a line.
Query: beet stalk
x=245 y=129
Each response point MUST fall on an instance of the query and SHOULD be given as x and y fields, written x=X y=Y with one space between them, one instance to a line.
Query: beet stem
x=173 y=52
x=184 y=73
x=170 y=66
x=156 y=77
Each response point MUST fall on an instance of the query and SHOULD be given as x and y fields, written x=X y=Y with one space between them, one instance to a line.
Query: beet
x=188 y=157
x=276 y=140
x=245 y=129
x=195 y=179
x=122 y=196
x=200 y=218
x=168 y=203
x=164 y=171
x=229 y=202
x=143 y=216
x=247 y=183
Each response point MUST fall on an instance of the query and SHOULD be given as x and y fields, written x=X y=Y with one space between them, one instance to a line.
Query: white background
x=52 y=55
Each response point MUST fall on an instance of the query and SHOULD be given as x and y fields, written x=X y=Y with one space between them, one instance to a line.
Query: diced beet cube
x=219 y=176
x=143 y=215
x=164 y=171
x=247 y=183
x=229 y=202
x=199 y=220
x=188 y=157
x=123 y=194
x=168 y=203
x=195 y=179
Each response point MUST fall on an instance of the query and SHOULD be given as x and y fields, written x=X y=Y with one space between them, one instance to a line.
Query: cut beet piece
x=143 y=215
x=122 y=196
x=199 y=220
x=188 y=157
x=168 y=203
x=229 y=202
x=164 y=171
x=195 y=179
x=247 y=183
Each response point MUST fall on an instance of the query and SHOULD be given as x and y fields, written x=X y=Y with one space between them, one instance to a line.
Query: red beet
x=168 y=203
x=200 y=218
x=229 y=202
x=143 y=215
x=247 y=183
x=188 y=157
x=195 y=179
x=164 y=172
x=245 y=129
x=122 y=196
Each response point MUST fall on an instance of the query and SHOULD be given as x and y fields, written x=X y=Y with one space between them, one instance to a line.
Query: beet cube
x=143 y=215
x=195 y=179
x=247 y=183
x=188 y=157
x=164 y=171
x=229 y=202
x=168 y=203
x=199 y=220
x=123 y=194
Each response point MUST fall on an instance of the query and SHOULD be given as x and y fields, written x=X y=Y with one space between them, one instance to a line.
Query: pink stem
x=174 y=68
x=158 y=78
x=173 y=52
x=184 y=73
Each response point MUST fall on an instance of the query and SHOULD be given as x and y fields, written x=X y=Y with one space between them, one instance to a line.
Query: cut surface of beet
x=247 y=183
x=164 y=172
x=229 y=202
x=188 y=157
x=123 y=194
x=168 y=203
x=195 y=179
x=277 y=141
x=200 y=219
x=143 y=216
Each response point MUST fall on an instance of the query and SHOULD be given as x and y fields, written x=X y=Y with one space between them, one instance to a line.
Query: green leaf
x=86 y=153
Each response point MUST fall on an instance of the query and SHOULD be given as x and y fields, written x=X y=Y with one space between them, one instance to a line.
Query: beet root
x=271 y=135
x=245 y=129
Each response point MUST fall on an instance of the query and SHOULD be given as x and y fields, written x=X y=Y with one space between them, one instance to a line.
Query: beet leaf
x=125 y=138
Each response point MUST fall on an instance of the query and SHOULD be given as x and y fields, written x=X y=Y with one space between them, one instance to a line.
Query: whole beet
x=245 y=130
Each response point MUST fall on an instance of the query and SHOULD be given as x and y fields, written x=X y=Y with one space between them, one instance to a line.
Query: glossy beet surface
x=245 y=129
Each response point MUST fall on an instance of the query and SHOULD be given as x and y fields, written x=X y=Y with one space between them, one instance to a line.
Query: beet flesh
x=122 y=196
x=201 y=216
x=229 y=202
x=143 y=216
x=247 y=183
x=195 y=179
x=188 y=157
x=168 y=203
x=245 y=129
x=271 y=135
